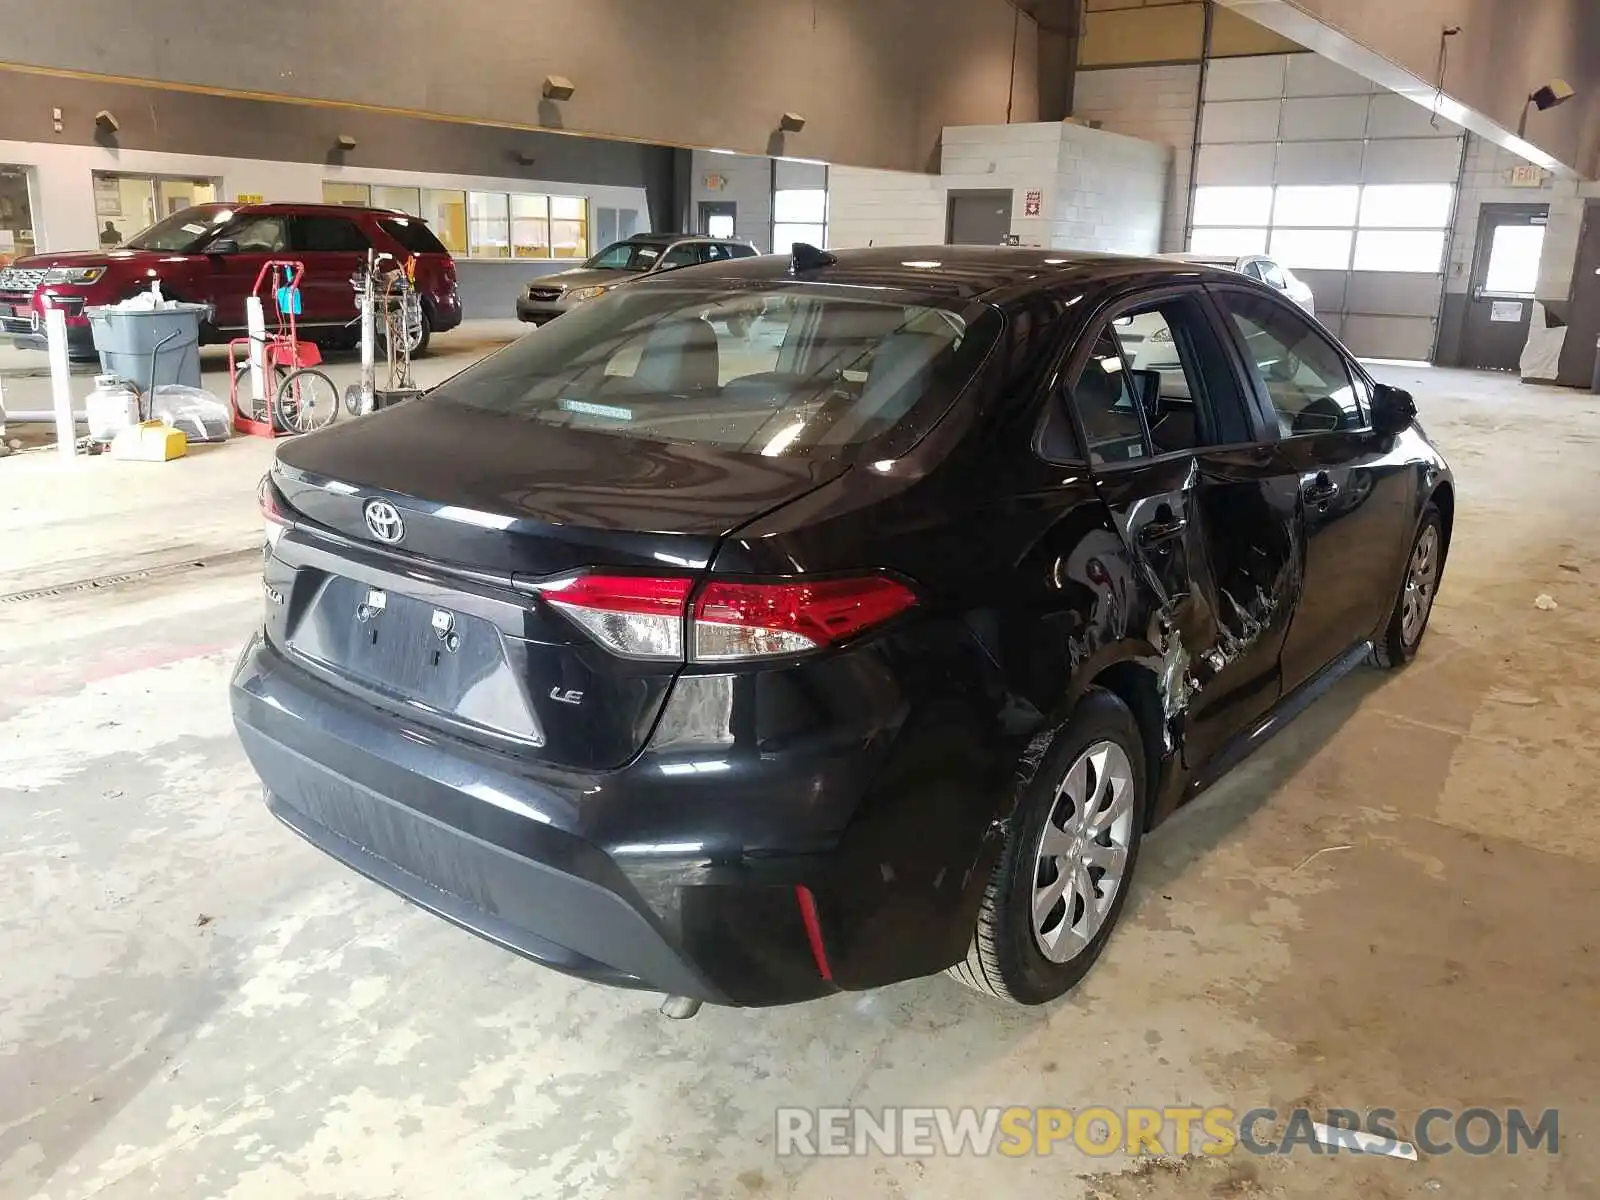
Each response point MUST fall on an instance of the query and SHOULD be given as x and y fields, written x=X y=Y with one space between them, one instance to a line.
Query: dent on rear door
x=1214 y=542
x=1156 y=546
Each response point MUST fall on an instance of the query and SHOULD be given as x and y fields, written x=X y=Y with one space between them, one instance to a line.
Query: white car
x=1259 y=266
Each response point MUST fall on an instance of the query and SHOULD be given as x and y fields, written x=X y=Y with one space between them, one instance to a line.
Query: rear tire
x=1060 y=885
x=1397 y=643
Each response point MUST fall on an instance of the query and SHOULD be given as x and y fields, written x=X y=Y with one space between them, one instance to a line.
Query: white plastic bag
x=1541 y=357
x=195 y=411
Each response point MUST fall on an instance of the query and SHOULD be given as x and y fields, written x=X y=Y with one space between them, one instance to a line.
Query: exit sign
x=1527 y=175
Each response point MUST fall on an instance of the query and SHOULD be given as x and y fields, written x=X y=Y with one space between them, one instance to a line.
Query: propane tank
x=112 y=407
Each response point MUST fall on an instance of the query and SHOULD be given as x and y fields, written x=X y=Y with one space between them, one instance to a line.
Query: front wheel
x=1397 y=643
x=1063 y=877
x=307 y=401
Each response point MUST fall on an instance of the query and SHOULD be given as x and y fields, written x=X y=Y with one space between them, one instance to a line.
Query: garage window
x=1377 y=227
x=799 y=215
x=490 y=225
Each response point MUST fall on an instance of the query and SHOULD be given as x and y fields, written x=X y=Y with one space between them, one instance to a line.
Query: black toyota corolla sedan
x=787 y=626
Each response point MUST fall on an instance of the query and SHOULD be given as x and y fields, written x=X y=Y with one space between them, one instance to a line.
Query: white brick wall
x=1487 y=180
x=1099 y=190
x=1153 y=103
x=869 y=207
x=1111 y=192
x=749 y=186
x=1022 y=157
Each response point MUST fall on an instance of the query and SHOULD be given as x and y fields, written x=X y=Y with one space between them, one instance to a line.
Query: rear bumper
x=655 y=875
x=479 y=843
x=445 y=313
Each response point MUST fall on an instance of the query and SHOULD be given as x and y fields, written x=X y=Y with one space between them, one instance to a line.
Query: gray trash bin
x=148 y=347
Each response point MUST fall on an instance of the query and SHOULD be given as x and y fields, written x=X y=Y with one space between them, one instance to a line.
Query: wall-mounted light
x=792 y=122
x=524 y=158
x=346 y=142
x=1553 y=94
x=558 y=87
x=106 y=121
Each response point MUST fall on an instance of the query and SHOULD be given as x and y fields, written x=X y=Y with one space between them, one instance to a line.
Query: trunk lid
x=432 y=624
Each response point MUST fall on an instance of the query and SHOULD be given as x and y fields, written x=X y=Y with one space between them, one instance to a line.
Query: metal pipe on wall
x=1199 y=116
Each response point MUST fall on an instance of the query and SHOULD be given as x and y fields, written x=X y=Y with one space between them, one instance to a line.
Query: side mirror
x=223 y=246
x=1393 y=409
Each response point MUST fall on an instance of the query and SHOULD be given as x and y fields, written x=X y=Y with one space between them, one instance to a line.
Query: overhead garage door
x=1350 y=185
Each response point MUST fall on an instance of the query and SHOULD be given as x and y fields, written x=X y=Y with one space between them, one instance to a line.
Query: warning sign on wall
x=1032 y=203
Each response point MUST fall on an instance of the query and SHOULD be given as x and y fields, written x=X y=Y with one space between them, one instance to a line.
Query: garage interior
x=1392 y=905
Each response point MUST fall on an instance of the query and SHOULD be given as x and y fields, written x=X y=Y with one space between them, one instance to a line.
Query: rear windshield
x=411 y=233
x=792 y=371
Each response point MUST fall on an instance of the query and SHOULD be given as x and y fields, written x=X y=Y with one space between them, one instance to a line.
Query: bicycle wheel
x=307 y=400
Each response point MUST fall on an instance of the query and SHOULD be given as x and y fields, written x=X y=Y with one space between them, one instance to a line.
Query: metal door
x=1505 y=272
x=717 y=218
x=978 y=218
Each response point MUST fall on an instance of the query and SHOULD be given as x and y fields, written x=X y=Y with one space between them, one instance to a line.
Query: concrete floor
x=195 y=1004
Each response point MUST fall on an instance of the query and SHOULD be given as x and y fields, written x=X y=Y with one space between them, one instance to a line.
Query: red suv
x=211 y=254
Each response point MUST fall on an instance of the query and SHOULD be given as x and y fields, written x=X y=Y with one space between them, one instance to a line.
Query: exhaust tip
x=679 y=1008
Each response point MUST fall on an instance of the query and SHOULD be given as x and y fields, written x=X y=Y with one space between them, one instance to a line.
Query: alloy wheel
x=1422 y=578
x=1083 y=851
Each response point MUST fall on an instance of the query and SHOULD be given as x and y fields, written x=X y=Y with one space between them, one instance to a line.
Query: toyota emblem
x=383 y=520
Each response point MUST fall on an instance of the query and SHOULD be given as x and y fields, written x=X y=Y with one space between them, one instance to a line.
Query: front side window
x=1301 y=372
x=792 y=371
x=256 y=235
x=626 y=256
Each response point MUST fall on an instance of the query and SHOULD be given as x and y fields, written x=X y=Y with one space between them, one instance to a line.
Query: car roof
x=672 y=239
x=1212 y=260
x=991 y=274
x=294 y=206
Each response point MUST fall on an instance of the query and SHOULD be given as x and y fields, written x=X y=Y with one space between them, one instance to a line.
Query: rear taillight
x=645 y=616
x=633 y=615
x=274 y=513
x=758 y=620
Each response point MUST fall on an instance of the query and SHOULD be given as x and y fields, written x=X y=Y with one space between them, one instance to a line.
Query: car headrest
x=679 y=356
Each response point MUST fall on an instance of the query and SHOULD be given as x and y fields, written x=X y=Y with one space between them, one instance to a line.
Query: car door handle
x=1156 y=532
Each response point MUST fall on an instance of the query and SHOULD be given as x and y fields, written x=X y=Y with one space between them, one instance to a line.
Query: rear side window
x=713 y=252
x=681 y=255
x=413 y=234
x=329 y=234
x=735 y=250
x=1303 y=375
x=1107 y=406
x=792 y=371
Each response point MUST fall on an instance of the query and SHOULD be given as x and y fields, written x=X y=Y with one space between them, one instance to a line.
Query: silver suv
x=547 y=297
